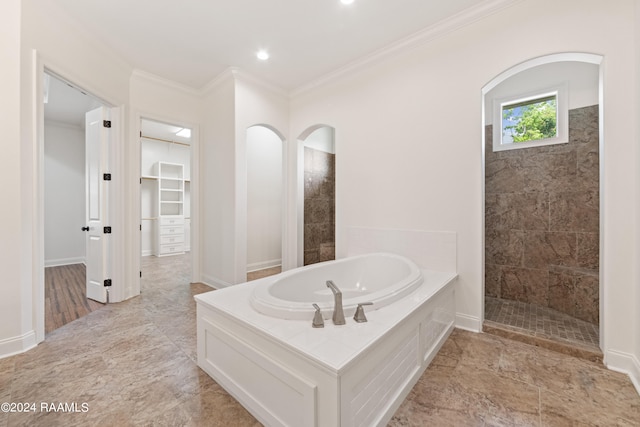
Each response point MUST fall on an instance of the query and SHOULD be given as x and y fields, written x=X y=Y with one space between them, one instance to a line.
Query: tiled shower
x=542 y=224
x=319 y=206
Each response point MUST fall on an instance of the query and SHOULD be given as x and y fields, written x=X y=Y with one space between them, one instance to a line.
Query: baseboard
x=63 y=261
x=214 y=282
x=17 y=345
x=625 y=363
x=468 y=323
x=147 y=252
x=256 y=266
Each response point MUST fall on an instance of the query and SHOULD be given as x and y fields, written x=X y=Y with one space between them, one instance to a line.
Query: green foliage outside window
x=530 y=121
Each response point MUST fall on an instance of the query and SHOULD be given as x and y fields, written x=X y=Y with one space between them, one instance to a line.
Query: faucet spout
x=338 y=313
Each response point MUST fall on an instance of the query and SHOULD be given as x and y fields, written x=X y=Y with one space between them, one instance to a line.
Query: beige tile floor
x=134 y=363
x=542 y=321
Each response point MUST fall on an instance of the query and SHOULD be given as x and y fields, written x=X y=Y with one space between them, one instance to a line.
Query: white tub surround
x=287 y=373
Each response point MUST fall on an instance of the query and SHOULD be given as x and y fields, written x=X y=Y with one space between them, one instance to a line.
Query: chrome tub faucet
x=338 y=314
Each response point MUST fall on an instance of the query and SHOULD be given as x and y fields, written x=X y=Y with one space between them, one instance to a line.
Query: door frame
x=134 y=154
x=40 y=67
x=301 y=140
x=240 y=271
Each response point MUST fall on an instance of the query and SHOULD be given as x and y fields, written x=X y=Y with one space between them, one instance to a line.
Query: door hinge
x=106 y=123
x=107 y=282
x=106 y=176
x=107 y=230
x=141 y=274
x=140 y=227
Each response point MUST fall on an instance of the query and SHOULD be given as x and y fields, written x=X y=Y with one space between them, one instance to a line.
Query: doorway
x=65 y=107
x=165 y=204
x=542 y=204
x=265 y=202
x=317 y=195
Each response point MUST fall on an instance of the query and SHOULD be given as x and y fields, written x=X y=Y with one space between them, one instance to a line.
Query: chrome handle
x=318 y=321
x=359 y=316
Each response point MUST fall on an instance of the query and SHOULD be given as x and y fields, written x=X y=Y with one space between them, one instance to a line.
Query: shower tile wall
x=319 y=206
x=542 y=221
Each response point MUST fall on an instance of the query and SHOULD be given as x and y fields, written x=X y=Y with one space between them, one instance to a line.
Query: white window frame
x=561 y=93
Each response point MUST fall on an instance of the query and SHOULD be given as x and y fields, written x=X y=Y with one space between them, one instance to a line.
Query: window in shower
x=529 y=120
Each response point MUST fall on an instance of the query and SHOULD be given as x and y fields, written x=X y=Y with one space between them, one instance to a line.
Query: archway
x=316 y=194
x=537 y=256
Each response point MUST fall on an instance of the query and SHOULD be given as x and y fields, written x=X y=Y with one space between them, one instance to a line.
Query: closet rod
x=165 y=140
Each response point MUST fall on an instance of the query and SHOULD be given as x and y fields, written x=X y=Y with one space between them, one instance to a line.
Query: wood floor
x=64 y=296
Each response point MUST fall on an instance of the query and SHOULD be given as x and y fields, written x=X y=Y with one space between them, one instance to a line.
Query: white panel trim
x=255 y=266
x=64 y=261
x=214 y=282
x=624 y=363
x=17 y=345
x=249 y=394
x=468 y=323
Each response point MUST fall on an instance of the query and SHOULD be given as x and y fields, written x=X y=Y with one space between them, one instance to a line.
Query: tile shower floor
x=543 y=322
x=134 y=364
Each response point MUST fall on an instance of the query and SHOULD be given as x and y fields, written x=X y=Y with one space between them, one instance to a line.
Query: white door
x=97 y=154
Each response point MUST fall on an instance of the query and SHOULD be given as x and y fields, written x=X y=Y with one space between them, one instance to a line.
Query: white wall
x=321 y=139
x=637 y=195
x=218 y=191
x=418 y=118
x=256 y=104
x=264 y=198
x=16 y=330
x=64 y=194
x=73 y=54
x=582 y=80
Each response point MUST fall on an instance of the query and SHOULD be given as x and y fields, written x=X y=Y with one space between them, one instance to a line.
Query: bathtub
x=380 y=278
x=257 y=341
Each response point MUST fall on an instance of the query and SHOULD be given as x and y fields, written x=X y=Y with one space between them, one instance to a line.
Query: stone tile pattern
x=542 y=321
x=134 y=364
x=542 y=221
x=319 y=206
x=484 y=380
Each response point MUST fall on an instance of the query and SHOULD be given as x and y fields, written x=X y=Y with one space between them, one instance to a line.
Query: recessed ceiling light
x=262 y=55
x=346 y=1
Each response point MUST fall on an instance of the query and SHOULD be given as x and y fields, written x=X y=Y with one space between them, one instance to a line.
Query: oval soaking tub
x=380 y=278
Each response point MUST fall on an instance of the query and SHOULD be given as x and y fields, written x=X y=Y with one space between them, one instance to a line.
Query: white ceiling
x=65 y=103
x=193 y=41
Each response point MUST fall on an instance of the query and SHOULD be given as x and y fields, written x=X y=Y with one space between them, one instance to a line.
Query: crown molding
x=221 y=78
x=250 y=78
x=238 y=74
x=426 y=35
x=145 y=75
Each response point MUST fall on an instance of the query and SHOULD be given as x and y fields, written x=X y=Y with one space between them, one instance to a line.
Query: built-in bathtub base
x=280 y=384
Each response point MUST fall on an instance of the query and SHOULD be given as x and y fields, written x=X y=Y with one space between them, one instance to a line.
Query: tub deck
x=287 y=373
